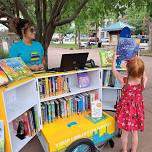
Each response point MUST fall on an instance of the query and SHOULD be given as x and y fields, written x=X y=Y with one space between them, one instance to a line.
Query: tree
x=45 y=15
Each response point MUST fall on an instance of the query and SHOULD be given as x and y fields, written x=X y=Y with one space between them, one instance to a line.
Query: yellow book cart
x=71 y=133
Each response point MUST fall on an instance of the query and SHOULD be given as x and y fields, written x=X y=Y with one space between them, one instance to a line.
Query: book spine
x=49 y=112
x=47 y=87
x=50 y=86
x=31 y=122
x=27 y=124
x=53 y=110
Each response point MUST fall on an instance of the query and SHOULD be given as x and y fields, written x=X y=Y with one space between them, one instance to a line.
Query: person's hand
x=41 y=67
x=35 y=67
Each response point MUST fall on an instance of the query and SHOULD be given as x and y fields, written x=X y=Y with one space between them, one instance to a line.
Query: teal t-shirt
x=30 y=54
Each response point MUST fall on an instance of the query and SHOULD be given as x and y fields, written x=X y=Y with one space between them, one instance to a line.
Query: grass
x=146 y=53
x=68 y=46
x=65 y=46
x=3 y=54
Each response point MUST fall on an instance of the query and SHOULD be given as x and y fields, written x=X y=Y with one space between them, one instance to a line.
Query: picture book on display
x=3 y=78
x=1 y=136
x=15 y=68
x=83 y=80
x=106 y=57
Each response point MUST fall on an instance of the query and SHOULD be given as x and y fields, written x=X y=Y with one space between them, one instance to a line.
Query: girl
x=130 y=109
x=30 y=51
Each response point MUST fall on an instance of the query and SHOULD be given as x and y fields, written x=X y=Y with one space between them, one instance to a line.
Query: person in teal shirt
x=31 y=52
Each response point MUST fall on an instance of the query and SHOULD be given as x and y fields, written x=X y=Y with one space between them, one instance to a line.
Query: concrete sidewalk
x=145 y=139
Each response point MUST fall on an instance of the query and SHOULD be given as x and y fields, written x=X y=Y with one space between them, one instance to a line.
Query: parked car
x=144 y=44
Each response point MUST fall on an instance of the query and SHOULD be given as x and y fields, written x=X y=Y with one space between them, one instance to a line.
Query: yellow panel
x=3 y=117
x=59 y=135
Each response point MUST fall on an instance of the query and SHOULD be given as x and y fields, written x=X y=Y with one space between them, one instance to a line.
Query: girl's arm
x=117 y=74
x=145 y=79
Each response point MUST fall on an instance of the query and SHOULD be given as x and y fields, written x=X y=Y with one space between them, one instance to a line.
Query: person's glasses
x=32 y=30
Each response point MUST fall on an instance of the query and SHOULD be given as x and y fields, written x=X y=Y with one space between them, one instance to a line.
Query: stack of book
x=53 y=86
x=67 y=106
x=109 y=80
x=30 y=121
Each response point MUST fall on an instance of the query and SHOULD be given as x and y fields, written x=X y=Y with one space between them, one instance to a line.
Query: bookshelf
x=95 y=81
x=111 y=89
x=19 y=97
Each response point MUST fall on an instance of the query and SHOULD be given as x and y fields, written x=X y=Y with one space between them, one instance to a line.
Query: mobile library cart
x=54 y=107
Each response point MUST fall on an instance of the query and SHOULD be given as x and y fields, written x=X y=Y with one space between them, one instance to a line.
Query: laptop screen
x=73 y=61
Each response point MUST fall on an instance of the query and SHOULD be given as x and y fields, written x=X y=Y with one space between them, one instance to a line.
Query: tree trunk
x=150 y=36
x=76 y=35
x=48 y=34
x=79 y=41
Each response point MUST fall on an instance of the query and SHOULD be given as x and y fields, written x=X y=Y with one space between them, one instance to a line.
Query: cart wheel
x=111 y=143
x=82 y=145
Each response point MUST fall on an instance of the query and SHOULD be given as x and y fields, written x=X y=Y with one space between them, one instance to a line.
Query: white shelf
x=18 y=144
x=54 y=74
x=18 y=109
x=115 y=88
x=107 y=106
x=74 y=90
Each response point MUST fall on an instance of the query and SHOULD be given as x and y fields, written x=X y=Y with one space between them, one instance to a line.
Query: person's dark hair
x=21 y=26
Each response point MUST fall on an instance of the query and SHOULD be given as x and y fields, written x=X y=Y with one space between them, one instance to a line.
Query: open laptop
x=70 y=62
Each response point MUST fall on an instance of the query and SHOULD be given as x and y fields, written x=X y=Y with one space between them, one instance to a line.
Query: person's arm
x=145 y=79
x=118 y=75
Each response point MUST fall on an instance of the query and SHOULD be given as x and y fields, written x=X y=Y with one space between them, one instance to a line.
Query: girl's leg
x=134 y=141
x=124 y=140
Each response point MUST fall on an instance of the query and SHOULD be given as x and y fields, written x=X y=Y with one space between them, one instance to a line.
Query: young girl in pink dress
x=130 y=109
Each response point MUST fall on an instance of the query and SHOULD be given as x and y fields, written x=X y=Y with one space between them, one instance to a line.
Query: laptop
x=70 y=62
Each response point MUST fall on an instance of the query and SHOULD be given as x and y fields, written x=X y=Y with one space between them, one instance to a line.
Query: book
x=47 y=87
x=3 y=78
x=2 y=141
x=106 y=57
x=127 y=48
x=83 y=80
x=96 y=109
x=15 y=68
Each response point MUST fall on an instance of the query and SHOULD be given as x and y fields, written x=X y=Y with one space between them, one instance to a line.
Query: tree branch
x=77 y=12
x=23 y=10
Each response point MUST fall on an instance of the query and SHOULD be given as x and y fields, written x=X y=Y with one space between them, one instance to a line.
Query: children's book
x=15 y=68
x=106 y=57
x=1 y=136
x=127 y=47
x=3 y=78
x=83 y=80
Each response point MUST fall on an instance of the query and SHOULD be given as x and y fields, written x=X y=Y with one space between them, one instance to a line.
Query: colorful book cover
x=15 y=68
x=96 y=109
x=83 y=80
x=3 y=78
x=1 y=136
x=127 y=48
x=106 y=57
x=24 y=119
